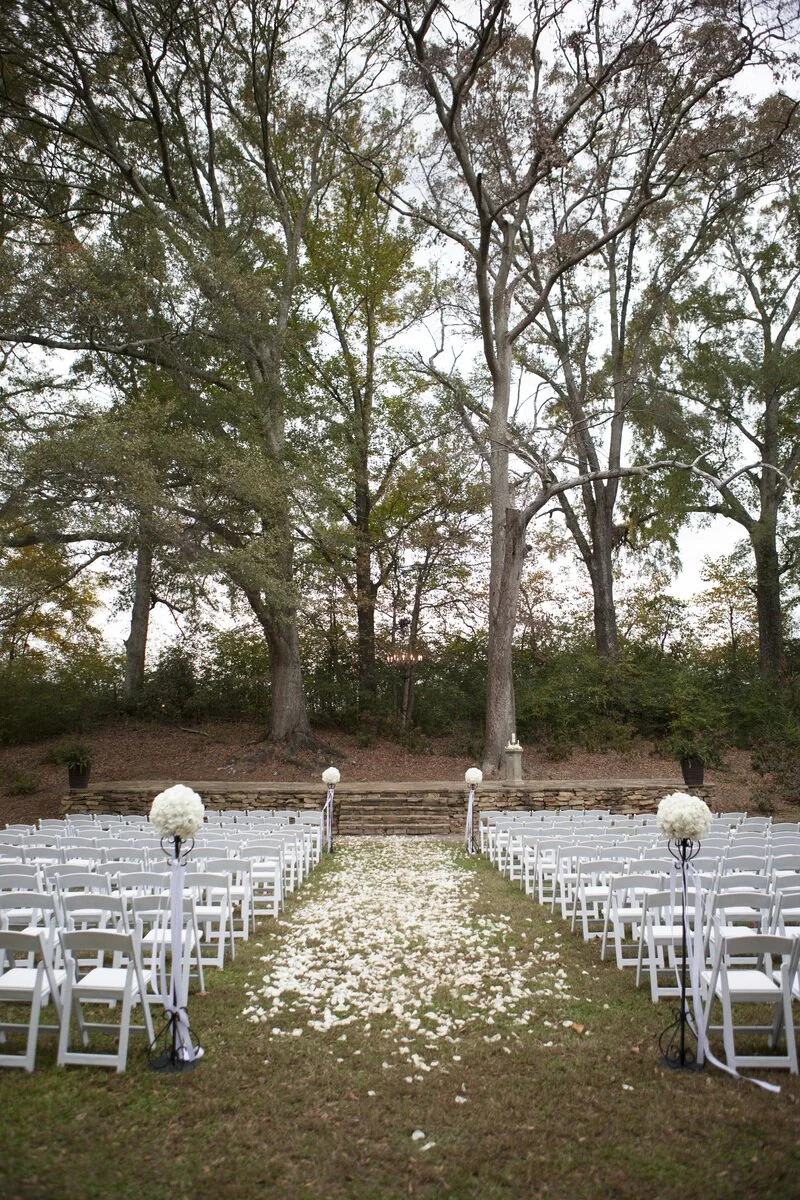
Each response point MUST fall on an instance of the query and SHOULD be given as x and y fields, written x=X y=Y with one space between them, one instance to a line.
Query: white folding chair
x=624 y=910
x=267 y=873
x=661 y=936
x=591 y=894
x=763 y=984
x=125 y=981
x=736 y=914
x=152 y=915
x=240 y=875
x=213 y=912
x=28 y=976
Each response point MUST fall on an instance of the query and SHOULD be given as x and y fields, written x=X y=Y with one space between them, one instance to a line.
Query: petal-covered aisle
x=393 y=940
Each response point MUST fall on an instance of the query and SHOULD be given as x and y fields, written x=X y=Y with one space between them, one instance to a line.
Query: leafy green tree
x=44 y=607
x=727 y=398
x=371 y=418
x=161 y=165
x=518 y=97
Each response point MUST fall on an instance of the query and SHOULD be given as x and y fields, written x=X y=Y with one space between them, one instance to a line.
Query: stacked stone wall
x=386 y=808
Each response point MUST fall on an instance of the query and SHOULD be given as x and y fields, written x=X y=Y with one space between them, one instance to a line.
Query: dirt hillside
x=139 y=750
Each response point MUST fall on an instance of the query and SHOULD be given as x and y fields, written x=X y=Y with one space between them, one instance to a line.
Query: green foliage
x=451 y=689
x=19 y=782
x=77 y=756
x=777 y=761
x=43 y=697
x=170 y=686
x=232 y=678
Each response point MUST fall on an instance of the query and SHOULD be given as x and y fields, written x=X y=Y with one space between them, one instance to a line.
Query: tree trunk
x=288 y=714
x=597 y=557
x=501 y=719
x=136 y=641
x=601 y=572
x=771 y=659
x=366 y=595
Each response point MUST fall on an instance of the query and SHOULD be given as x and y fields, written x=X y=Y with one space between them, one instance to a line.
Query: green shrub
x=170 y=686
x=20 y=782
x=44 y=697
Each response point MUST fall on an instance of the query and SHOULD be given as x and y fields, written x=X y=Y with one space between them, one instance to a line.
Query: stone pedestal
x=513 y=753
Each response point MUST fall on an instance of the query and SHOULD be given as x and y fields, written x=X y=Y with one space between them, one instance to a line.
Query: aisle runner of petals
x=391 y=942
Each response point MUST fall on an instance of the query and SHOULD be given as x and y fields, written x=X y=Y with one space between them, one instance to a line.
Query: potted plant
x=78 y=758
x=693 y=733
x=692 y=754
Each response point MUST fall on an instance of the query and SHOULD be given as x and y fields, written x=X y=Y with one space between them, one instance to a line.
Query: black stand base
x=675 y=1064
x=165 y=1064
x=677 y=1043
x=169 y=1062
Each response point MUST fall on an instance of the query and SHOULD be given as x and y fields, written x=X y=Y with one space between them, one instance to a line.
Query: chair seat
x=629 y=914
x=103 y=980
x=747 y=984
x=667 y=935
x=19 y=983
x=162 y=937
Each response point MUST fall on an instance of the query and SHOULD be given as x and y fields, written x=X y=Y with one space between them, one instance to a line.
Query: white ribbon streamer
x=470 y=832
x=328 y=817
x=186 y=1052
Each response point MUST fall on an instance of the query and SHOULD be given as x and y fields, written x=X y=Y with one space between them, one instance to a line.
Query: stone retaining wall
x=380 y=808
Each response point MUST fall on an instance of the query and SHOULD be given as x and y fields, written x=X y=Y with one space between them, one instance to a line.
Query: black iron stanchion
x=674 y=1043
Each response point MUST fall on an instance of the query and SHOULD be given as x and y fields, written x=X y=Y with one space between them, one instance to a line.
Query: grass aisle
x=408 y=991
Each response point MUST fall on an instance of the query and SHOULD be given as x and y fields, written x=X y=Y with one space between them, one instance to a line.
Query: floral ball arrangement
x=177 y=812
x=473 y=776
x=682 y=817
x=331 y=776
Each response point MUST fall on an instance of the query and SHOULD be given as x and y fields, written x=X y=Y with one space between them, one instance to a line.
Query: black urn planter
x=78 y=776
x=693 y=769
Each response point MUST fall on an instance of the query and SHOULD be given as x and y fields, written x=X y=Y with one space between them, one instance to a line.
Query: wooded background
x=331 y=327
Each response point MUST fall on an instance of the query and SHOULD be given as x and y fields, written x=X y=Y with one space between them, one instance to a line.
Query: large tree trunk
x=288 y=714
x=503 y=601
x=601 y=572
x=136 y=641
x=367 y=686
x=366 y=589
x=597 y=557
x=771 y=658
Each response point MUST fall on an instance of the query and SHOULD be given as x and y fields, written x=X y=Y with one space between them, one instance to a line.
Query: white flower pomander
x=473 y=776
x=331 y=776
x=177 y=812
x=681 y=816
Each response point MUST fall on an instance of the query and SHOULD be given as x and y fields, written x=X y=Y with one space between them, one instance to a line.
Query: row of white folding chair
x=141 y=906
x=271 y=872
x=213 y=893
x=539 y=860
x=742 y=983
x=734 y=975
x=45 y=855
x=29 y=976
x=746 y=898
x=511 y=851
x=579 y=874
x=734 y=899
x=728 y=917
x=547 y=859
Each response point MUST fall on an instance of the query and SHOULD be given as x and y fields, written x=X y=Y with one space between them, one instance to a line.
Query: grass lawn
x=324 y=1116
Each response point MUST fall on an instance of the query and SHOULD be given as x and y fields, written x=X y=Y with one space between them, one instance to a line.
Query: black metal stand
x=676 y=1052
x=170 y=1062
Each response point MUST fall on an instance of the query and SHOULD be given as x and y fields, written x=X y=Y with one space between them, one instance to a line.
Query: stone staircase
x=405 y=810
